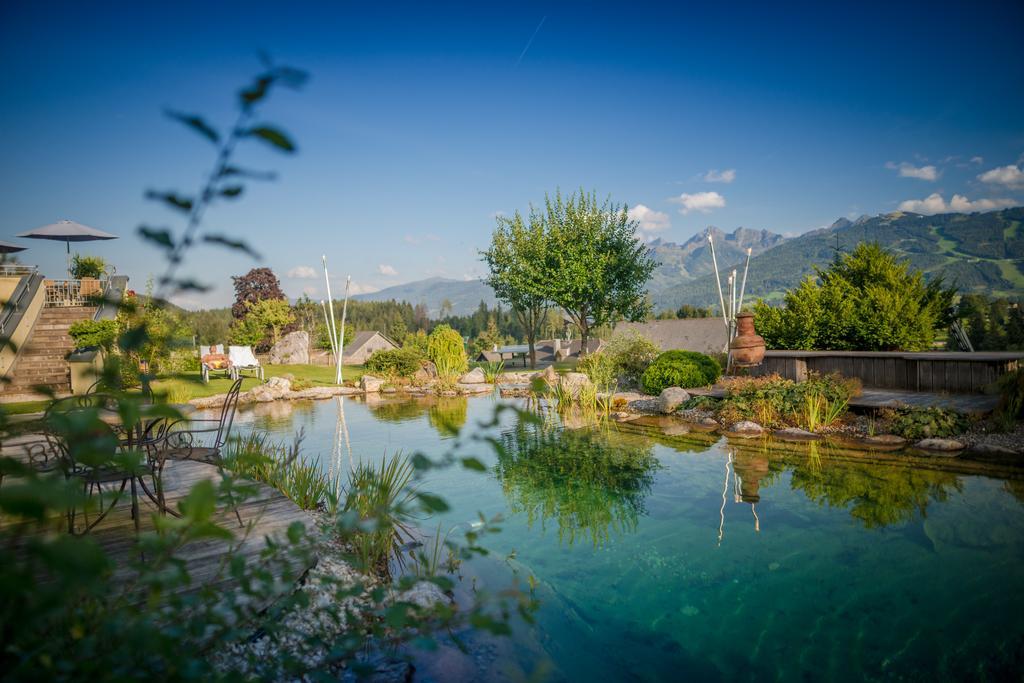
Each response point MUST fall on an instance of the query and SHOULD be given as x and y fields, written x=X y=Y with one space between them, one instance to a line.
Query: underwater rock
x=746 y=429
x=945 y=445
x=671 y=398
x=795 y=434
x=889 y=441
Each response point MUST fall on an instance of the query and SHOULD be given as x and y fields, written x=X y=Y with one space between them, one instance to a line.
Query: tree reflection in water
x=580 y=480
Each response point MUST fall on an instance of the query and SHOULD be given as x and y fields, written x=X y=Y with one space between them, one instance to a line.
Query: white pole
x=718 y=281
x=330 y=301
x=327 y=324
x=341 y=342
x=743 y=288
x=732 y=313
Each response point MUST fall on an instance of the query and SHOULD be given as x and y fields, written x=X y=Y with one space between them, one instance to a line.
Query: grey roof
x=361 y=338
x=706 y=335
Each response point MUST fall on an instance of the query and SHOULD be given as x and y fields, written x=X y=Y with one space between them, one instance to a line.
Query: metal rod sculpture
x=332 y=331
x=729 y=312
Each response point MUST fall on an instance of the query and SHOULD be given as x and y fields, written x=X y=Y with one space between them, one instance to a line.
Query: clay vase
x=747 y=346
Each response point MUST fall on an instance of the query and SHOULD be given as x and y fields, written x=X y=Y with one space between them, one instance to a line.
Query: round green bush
x=680 y=369
x=394 y=362
x=447 y=351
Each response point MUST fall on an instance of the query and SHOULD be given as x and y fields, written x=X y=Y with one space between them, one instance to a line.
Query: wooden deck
x=888 y=398
x=267 y=514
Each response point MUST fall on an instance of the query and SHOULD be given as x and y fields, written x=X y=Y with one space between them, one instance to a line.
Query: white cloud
x=357 y=288
x=302 y=273
x=309 y=291
x=1009 y=176
x=934 y=203
x=714 y=176
x=978 y=160
x=385 y=269
x=649 y=220
x=704 y=202
x=908 y=170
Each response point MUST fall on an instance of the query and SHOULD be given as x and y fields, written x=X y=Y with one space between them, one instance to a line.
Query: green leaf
x=231 y=244
x=272 y=136
x=197 y=124
x=473 y=464
x=231 y=191
x=159 y=236
x=432 y=503
x=172 y=200
x=236 y=172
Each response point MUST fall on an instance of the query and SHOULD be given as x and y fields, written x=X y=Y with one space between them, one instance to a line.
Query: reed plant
x=304 y=482
x=492 y=369
x=381 y=497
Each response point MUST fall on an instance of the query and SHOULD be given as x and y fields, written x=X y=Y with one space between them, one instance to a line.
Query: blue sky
x=420 y=123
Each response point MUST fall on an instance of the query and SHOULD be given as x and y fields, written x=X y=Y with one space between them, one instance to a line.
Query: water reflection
x=581 y=481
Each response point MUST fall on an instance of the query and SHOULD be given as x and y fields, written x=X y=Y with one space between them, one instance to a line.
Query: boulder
x=273 y=389
x=573 y=383
x=548 y=374
x=945 y=445
x=424 y=595
x=206 y=402
x=884 y=441
x=746 y=429
x=370 y=384
x=428 y=368
x=671 y=398
x=474 y=376
x=292 y=349
x=474 y=388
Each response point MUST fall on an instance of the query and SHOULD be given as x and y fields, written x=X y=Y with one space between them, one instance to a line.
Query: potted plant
x=88 y=269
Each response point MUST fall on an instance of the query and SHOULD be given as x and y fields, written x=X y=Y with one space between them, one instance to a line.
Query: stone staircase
x=43 y=360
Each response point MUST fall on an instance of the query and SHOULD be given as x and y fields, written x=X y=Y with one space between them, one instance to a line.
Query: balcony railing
x=16 y=270
x=66 y=293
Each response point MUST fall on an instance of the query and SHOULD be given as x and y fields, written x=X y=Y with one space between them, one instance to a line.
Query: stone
x=429 y=368
x=671 y=398
x=317 y=393
x=945 y=445
x=215 y=401
x=675 y=430
x=886 y=441
x=573 y=383
x=991 y=451
x=795 y=434
x=273 y=389
x=474 y=376
x=291 y=349
x=389 y=390
x=746 y=429
x=370 y=384
x=548 y=374
x=475 y=388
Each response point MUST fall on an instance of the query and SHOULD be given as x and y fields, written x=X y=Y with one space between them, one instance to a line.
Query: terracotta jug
x=747 y=346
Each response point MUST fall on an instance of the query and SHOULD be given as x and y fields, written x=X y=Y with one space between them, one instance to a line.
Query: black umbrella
x=68 y=231
x=10 y=248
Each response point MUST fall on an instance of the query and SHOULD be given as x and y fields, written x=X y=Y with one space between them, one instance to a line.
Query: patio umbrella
x=10 y=248
x=68 y=231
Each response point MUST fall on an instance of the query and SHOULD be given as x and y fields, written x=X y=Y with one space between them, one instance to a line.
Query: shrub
x=771 y=400
x=447 y=351
x=417 y=340
x=680 y=369
x=87 y=266
x=631 y=353
x=600 y=368
x=923 y=423
x=492 y=369
x=402 y=362
x=1011 y=400
x=94 y=333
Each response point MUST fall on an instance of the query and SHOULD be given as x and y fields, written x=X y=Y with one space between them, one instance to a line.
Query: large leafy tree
x=518 y=275
x=867 y=300
x=595 y=268
x=255 y=286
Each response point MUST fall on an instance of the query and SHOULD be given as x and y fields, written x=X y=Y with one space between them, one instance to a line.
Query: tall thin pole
x=743 y=289
x=718 y=281
x=341 y=342
x=330 y=332
x=330 y=300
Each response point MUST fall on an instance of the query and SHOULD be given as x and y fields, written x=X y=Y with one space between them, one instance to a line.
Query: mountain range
x=979 y=252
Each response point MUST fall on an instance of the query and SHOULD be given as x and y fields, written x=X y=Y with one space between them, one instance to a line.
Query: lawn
x=181 y=388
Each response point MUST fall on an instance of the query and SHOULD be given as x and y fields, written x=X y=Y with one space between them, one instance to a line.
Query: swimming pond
x=663 y=555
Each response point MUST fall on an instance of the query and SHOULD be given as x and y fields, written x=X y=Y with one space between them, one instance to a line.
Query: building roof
x=361 y=338
x=705 y=335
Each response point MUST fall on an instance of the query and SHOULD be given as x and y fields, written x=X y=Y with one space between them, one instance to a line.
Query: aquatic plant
x=256 y=457
x=601 y=369
x=920 y=423
x=492 y=369
x=381 y=497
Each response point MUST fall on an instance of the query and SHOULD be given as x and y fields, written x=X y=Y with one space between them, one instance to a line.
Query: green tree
x=867 y=300
x=518 y=276
x=263 y=319
x=595 y=268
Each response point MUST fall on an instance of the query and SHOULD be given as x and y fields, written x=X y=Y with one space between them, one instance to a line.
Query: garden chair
x=88 y=457
x=242 y=358
x=213 y=359
x=201 y=440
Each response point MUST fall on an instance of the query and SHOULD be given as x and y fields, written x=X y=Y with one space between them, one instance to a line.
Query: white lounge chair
x=242 y=358
x=205 y=369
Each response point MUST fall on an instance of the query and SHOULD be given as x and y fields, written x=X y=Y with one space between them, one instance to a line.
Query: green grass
x=182 y=388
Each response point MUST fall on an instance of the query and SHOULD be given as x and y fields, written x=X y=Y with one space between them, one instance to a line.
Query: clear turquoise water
x=659 y=557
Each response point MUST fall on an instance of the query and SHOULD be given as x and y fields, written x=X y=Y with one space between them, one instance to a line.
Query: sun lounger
x=213 y=359
x=242 y=358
